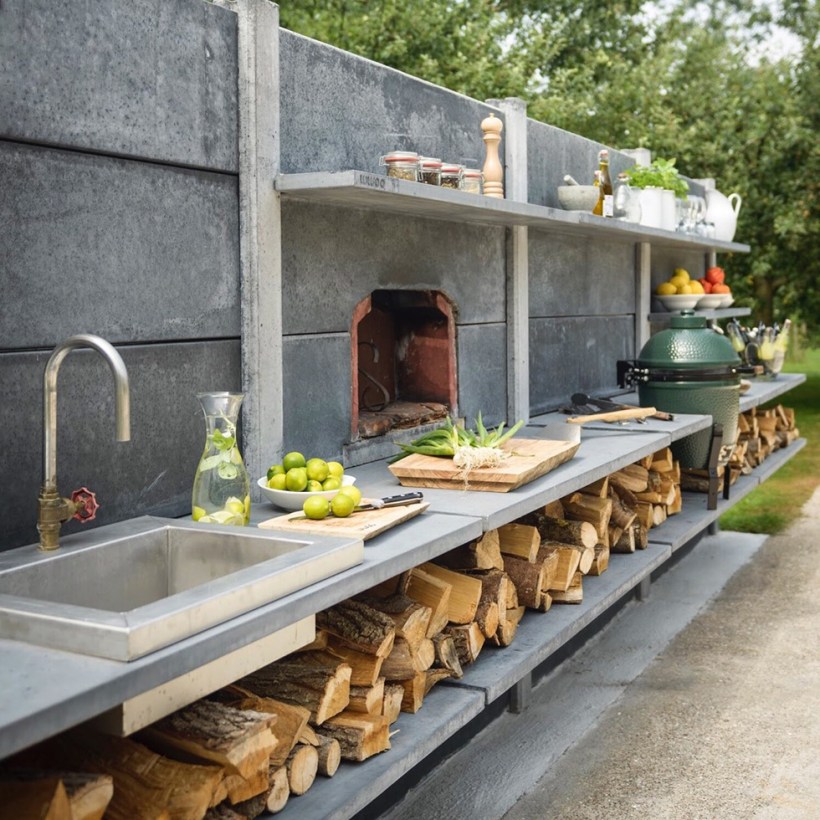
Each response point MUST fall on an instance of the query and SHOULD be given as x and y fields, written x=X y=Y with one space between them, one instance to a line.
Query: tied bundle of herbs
x=467 y=448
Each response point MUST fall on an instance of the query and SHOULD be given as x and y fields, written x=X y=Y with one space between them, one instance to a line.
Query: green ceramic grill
x=690 y=368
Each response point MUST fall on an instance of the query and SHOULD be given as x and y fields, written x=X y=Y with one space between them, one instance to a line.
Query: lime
x=335 y=469
x=235 y=506
x=354 y=492
x=277 y=482
x=342 y=505
x=316 y=507
x=227 y=470
x=197 y=513
x=331 y=483
x=296 y=479
x=291 y=460
x=276 y=469
x=247 y=505
x=314 y=486
x=317 y=469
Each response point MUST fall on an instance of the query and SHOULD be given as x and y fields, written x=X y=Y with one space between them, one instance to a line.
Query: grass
x=776 y=503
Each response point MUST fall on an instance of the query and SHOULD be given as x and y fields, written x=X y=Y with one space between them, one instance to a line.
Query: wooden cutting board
x=362 y=525
x=529 y=459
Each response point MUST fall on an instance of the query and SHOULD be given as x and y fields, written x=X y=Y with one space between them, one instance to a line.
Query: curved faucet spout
x=53 y=509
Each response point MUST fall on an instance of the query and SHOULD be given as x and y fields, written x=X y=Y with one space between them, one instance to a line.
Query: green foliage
x=660 y=174
x=685 y=79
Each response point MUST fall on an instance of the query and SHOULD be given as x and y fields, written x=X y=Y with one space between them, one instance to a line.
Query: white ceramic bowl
x=726 y=300
x=289 y=500
x=679 y=301
x=578 y=197
x=710 y=300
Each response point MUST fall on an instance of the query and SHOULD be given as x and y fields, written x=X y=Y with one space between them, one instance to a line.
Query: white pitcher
x=722 y=211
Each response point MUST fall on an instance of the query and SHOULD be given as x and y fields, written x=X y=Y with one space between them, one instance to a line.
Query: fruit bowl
x=726 y=300
x=679 y=301
x=288 y=500
x=710 y=300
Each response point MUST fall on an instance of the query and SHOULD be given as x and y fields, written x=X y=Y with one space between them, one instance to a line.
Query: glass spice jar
x=401 y=165
x=451 y=175
x=471 y=180
x=430 y=170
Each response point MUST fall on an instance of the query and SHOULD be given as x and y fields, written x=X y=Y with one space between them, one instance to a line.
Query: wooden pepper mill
x=493 y=172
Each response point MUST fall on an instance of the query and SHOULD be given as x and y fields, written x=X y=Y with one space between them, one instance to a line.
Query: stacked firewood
x=761 y=433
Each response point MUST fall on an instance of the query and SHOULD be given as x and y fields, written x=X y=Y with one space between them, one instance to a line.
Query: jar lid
x=430 y=162
x=472 y=172
x=450 y=168
x=401 y=156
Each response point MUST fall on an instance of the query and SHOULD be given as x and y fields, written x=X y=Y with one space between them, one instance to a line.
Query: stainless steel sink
x=128 y=589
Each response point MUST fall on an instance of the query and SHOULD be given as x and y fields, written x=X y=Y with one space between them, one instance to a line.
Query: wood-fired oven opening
x=404 y=361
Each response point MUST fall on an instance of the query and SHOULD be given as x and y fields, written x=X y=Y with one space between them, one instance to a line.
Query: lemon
x=219 y=517
x=296 y=479
x=677 y=281
x=276 y=469
x=227 y=471
x=331 y=483
x=335 y=469
x=235 y=506
x=685 y=288
x=696 y=286
x=314 y=486
x=317 y=469
x=666 y=289
x=683 y=273
x=293 y=459
x=197 y=513
x=351 y=490
x=316 y=507
x=278 y=482
x=342 y=505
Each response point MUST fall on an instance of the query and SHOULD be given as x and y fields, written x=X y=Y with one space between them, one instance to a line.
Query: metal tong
x=584 y=405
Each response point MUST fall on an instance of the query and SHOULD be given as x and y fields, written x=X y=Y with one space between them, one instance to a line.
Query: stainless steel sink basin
x=128 y=589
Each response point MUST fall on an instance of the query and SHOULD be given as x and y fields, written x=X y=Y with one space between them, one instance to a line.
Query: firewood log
x=549 y=557
x=641 y=536
x=483 y=553
x=528 y=577
x=224 y=812
x=464 y=596
x=446 y=655
x=359 y=736
x=599 y=488
x=330 y=755
x=586 y=555
x=644 y=511
x=367 y=699
x=495 y=585
x=431 y=591
x=554 y=509
x=626 y=543
x=677 y=502
x=658 y=515
x=508 y=627
x=432 y=677
x=468 y=640
x=410 y=618
x=545 y=603
x=44 y=799
x=318 y=643
x=364 y=669
x=520 y=540
x=574 y=593
x=646 y=461
x=633 y=477
x=213 y=732
x=697 y=481
x=359 y=626
x=601 y=562
x=393 y=696
x=302 y=765
x=561 y=529
x=597 y=511
x=627 y=497
x=569 y=559
x=309 y=736
x=403 y=662
x=279 y=792
x=663 y=460
x=622 y=516
x=88 y=794
x=316 y=680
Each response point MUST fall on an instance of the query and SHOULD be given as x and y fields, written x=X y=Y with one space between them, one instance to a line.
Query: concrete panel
x=554 y=152
x=129 y=250
x=333 y=257
x=578 y=353
x=141 y=78
x=570 y=275
x=317 y=394
x=152 y=473
x=482 y=372
x=665 y=260
x=340 y=112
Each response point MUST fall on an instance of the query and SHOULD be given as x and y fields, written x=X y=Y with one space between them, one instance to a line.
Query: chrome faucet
x=52 y=509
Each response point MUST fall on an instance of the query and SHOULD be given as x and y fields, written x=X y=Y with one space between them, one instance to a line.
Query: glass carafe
x=221 y=493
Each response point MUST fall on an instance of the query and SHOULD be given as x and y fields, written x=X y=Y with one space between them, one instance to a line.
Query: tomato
x=716 y=275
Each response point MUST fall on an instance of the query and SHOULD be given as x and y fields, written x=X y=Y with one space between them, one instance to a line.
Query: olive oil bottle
x=603 y=207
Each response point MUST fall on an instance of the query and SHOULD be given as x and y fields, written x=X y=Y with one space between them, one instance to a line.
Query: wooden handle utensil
x=614 y=415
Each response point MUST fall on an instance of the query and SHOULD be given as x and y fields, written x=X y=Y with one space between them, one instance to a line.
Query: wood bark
x=492 y=606
x=622 y=515
x=393 y=696
x=359 y=626
x=410 y=618
x=626 y=543
x=446 y=655
x=528 y=577
x=468 y=640
x=562 y=529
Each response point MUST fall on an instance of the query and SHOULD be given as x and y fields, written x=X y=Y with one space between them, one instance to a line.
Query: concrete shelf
x=359 y=189
x=660 y=317
x=764 y=390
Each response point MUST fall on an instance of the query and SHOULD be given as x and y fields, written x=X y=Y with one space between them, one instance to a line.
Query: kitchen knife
x=377 y=504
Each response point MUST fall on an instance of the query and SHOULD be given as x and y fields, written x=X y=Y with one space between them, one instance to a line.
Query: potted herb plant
x=660 y=184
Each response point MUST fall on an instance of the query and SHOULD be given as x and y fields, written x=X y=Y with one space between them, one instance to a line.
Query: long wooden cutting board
x=362 y=525
x=529 y=459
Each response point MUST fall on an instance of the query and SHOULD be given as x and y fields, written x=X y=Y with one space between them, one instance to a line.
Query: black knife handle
x=398 y=500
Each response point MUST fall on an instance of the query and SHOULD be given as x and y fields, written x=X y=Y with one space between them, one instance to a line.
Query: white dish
x=679 y=301
x=710 y=300
x=288 y=500
x=726 y=300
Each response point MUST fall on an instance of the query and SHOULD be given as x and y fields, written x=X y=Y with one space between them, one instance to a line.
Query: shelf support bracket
x=520 y=694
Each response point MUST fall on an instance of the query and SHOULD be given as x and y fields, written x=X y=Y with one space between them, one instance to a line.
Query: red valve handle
x=87 y=504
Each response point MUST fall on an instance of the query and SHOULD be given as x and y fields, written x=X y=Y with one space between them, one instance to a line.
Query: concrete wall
x=120 y=200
